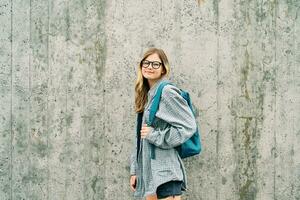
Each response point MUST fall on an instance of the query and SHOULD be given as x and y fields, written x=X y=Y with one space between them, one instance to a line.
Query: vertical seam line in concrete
x=218 y=97
x=104 y=130
x=67 y=85
x=104 y=105
x=47 y=121
x=29 y=84
x=85 y=106
x=11 y=93
x=275 y=99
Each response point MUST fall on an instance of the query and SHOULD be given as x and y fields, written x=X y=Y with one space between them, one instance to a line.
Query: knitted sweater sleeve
x=133 y=160
x=174 y=110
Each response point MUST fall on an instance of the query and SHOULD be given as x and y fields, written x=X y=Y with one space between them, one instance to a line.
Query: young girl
x=162 y=176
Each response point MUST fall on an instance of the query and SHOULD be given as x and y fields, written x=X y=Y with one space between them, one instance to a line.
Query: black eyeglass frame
x=151 y=62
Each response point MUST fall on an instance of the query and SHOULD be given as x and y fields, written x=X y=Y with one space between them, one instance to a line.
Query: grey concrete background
x=67 y=72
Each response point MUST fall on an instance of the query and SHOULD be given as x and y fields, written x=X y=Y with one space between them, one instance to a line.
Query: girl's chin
x=148 y=75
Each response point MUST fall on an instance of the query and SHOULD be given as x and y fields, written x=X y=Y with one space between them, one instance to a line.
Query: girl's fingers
x=143 y=134
x=144 y=128
x=132 y=188
x=132 y=183
x=144 y=131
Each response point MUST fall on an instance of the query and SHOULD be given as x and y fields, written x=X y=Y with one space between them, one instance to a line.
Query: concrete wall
x=67 y=72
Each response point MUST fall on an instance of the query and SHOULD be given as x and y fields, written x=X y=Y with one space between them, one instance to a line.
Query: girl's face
x=152 y=67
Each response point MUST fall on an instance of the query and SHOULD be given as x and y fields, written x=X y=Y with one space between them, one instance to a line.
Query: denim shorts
x=171 y=188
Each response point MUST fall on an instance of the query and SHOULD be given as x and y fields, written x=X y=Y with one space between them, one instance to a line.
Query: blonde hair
x=141 y=85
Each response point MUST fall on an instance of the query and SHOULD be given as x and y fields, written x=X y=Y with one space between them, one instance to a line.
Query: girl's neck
x=151 y=83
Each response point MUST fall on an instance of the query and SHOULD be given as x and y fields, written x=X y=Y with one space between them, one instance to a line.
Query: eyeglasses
x=155 y=64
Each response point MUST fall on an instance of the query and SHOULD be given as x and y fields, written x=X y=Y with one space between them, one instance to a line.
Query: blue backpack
x=190 y=147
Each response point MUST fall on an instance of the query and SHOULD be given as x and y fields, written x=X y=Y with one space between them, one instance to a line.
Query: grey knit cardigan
x=174 y=123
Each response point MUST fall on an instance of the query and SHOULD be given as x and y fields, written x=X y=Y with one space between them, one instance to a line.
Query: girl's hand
x=133 y=182
x=145 y=130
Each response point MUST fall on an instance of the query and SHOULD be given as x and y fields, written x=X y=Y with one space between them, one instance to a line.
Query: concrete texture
x=67 y=72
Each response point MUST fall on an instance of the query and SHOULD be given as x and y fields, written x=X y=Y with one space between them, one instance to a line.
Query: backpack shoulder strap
x=156 y=100
x=186 y=96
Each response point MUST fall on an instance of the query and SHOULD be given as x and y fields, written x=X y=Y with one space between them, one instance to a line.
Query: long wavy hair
x=141 y=85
